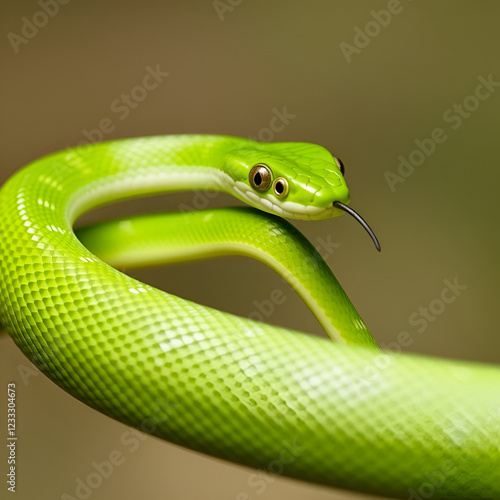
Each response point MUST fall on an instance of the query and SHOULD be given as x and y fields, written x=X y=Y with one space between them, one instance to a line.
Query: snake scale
x=338 y=413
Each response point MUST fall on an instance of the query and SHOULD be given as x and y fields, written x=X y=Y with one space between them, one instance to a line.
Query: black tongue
x=360 y=219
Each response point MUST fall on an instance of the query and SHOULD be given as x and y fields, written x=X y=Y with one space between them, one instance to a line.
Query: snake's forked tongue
x=360 y=219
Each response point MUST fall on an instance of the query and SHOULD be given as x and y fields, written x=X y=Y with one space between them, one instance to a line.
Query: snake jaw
x=284 y=208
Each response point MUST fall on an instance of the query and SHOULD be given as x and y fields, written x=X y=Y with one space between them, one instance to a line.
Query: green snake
x=338 y=413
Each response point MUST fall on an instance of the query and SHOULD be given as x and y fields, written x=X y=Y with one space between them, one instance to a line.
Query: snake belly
x=344 y=413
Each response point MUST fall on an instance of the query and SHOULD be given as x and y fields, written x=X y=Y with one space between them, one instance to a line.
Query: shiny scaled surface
x=350 y=415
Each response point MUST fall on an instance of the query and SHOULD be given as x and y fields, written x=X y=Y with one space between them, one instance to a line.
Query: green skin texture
x=338 y=413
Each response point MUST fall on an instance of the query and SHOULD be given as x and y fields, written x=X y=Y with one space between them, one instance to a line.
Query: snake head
x=291 y=179
x=295 y=180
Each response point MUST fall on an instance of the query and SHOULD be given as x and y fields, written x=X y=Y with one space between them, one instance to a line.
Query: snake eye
x=340 y=165
x=280 y=187
x=260 y=177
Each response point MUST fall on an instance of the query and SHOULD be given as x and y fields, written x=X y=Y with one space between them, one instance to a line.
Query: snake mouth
x=360 y=219
x=283 y=208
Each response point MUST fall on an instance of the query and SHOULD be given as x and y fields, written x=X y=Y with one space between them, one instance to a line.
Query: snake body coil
x=343 y=414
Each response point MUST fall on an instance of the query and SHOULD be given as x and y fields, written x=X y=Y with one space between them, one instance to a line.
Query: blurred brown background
x=232 y=65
